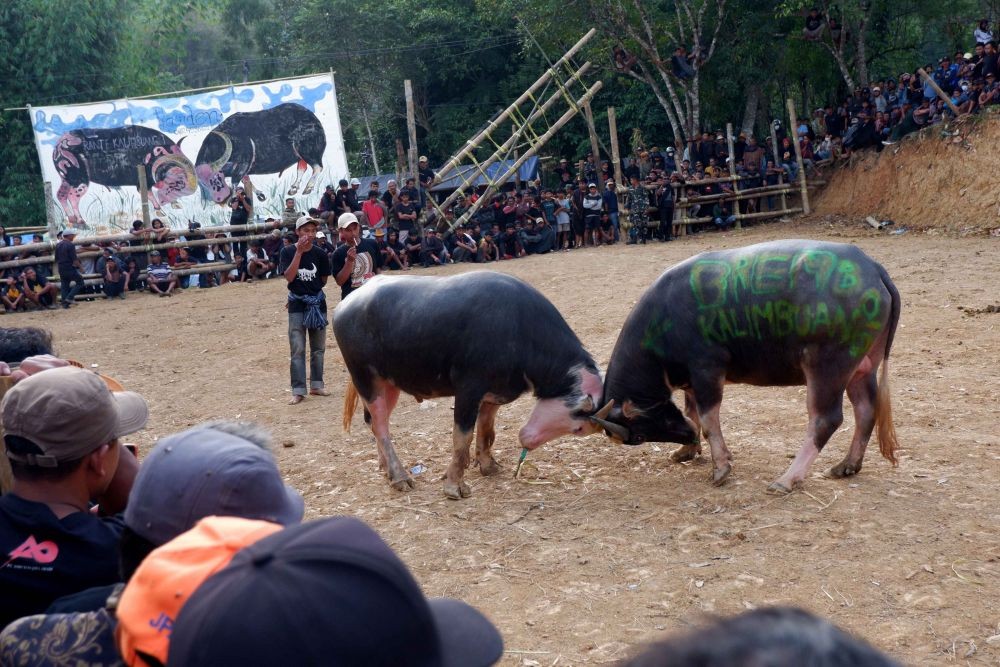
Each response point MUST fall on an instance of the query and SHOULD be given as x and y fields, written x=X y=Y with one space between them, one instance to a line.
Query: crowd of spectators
x=200 y=556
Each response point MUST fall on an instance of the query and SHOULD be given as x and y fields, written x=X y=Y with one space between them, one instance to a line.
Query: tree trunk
x=750 y=109
x=860 y=51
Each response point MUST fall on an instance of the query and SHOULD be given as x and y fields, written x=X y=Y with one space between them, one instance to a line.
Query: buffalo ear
x=587 y=405
x=629 y=411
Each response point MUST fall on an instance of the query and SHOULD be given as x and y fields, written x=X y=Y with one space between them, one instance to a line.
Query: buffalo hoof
x=844 y=469
x=260 y=195
x=719 y=475
x=308 y=190
x=490 y=468
x=457 y=491
x=292 y=190
x=778 y=489
x=685 y=453
x=174 y=204
x=404 y=484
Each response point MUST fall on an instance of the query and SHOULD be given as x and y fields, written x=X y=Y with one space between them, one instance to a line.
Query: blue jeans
x=613 y=217
x=297 y=363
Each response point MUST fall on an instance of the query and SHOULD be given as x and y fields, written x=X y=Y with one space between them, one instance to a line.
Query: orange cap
x=170 y=575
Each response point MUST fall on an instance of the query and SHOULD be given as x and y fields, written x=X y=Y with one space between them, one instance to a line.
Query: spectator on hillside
x=982 y=33
x=161 y=279
x=237 y=477
x=61 y=431
x=337 y=577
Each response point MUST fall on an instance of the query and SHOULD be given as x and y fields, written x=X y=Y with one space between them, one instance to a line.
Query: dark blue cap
x=328 y=592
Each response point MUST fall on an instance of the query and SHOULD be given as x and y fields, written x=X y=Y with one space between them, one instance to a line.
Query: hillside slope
x=928 y=181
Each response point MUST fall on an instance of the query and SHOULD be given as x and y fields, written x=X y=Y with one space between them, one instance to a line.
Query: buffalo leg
x=862 y=390
x=689 y=452
x=300 y=169
x=466 y=411
x=311 y=183
x=825 y=397
x=485 y=435
x=708 y=400
x=380 y=409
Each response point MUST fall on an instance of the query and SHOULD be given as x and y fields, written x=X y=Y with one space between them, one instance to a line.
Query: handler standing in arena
x=306 y=268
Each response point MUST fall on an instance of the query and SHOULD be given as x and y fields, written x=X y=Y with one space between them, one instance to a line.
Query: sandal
x=296 y=399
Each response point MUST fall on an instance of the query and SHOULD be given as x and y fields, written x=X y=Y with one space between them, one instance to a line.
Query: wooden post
x=595 y=147
x=50 y=212
x=777 y=161
x=732 y=174
x=411 y=128
x=937 y=89
x=616 y=167
x=143 y=194
x=371 y=140
x=803 y=188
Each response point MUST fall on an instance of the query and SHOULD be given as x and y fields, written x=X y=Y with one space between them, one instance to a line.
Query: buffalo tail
x=351 y=404
x=887 y=442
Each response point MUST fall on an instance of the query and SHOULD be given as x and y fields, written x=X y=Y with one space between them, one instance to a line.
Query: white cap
x=355 y=181
x=305 y=220
x=346 y=220
x=320 y=235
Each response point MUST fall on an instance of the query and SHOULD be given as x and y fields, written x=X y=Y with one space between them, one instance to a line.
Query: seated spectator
x=982 y=33
x=37 y=289
x=273 y=242
x=412 y=246
x=489 y=251
x=238 y=478
x=133 y=277
x=510 y=245
x=432 y=250
x=61 y=430
x=11 y=294
x=680 y=64
x=289 y=215
x=257 y=261
x=185 y=260
x=623 y=60
x=722 y=216
x=538 y=237
x=161 y=279
x=466 y=248
x=813 y=29
x=777 y=637
x=338 y=578
x=393 y=253
x=112 y=270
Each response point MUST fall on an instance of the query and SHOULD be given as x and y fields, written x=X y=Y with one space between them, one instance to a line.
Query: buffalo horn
x=603 y=412
x=226 y=154
x=616 y=430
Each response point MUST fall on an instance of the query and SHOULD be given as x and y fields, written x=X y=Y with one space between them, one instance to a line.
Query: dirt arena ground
x=600 y=548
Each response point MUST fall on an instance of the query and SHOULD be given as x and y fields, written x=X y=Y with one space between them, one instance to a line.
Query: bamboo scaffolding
x=91 y=279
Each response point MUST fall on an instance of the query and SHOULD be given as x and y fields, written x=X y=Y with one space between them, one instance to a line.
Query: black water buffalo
x=111 y=157
x=773 y=314
x=484 y=338
x=261 y=142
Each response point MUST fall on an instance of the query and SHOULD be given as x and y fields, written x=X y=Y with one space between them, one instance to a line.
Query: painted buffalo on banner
x=193 y=151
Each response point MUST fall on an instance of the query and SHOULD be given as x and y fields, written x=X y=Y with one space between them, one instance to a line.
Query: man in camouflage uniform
x=638 y=210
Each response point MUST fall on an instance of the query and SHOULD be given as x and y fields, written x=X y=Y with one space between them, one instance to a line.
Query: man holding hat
x=356 y=260
x=69 y=268
x=306 y=268
x=61 y=432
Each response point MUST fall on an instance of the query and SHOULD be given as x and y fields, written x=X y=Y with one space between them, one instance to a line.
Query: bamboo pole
x=517 y=174
x=400 y=161
x=803 y=188
x=747 y=216
x=371 y=139
x=595 y=148
x=498 y=120
x=481 y=167
x=937 y=89
x=616 y=169
x=539 y=142
x=411 y=127
x=208 y=267
x=128 y=236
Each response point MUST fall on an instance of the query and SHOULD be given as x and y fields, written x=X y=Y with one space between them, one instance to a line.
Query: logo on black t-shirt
x=31 y=549
x=307 y=275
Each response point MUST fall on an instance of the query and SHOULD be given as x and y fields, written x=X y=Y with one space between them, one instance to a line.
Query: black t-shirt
x=240 y=215
x=426 y=176
x=367 y=262
x=313 y=266
x=45 y=558
x=407 y=224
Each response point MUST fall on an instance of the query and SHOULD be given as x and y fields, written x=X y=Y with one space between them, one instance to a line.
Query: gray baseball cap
x=207 y=472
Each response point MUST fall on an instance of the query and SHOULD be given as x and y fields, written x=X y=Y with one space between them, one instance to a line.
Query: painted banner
x=283 y=137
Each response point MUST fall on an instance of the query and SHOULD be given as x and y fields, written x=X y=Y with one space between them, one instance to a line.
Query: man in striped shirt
x=161 y=279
